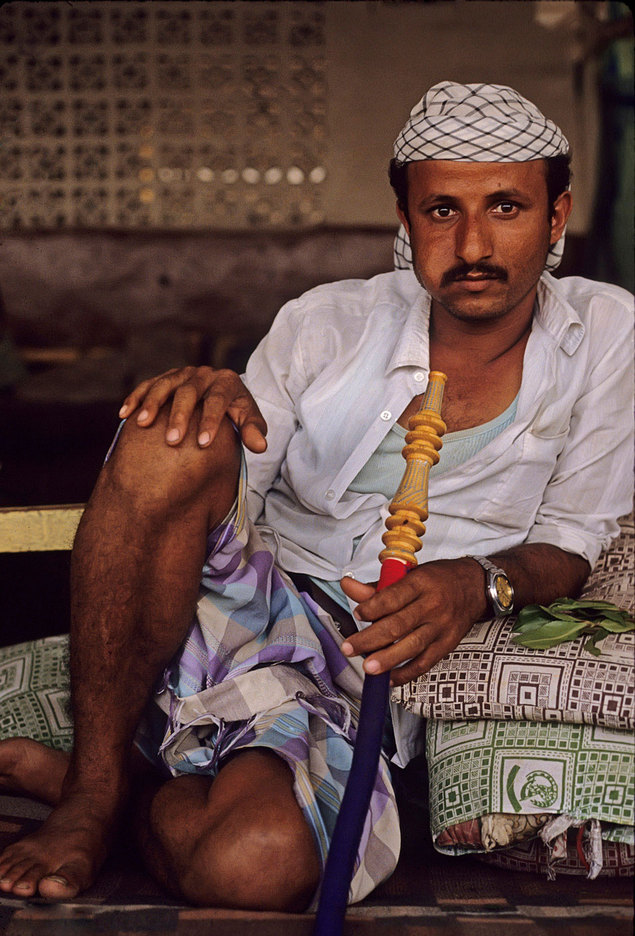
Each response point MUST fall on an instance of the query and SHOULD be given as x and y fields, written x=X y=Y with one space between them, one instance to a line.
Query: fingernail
x=143 y=415
x=123 y=411
x=357 y=615
x=204 y=438
x=346 y=648
x=372 y=666
x=24 y=886
x=173 y=435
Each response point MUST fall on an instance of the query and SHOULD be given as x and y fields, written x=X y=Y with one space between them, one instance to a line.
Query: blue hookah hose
x=354 y=809
x=340 y=864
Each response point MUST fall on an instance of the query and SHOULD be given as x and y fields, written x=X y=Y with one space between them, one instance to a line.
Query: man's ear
x=403 y=218
x=561 y=211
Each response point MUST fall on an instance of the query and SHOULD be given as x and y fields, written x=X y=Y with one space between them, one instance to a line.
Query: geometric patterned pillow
x=488 y=676
x=34 y=692
x=515 y=770
x=613 y=576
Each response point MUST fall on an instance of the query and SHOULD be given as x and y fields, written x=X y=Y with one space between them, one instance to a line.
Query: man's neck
x=483 y=340
x=483 y=361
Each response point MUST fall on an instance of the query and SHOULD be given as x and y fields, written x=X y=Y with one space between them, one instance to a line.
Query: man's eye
x=442 y=211
x=506 y=207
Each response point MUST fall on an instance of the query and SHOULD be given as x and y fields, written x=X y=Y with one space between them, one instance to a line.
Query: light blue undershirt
x=384 y=469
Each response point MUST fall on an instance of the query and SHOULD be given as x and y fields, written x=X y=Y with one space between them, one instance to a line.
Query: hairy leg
x=135 y=575
x=239 y=841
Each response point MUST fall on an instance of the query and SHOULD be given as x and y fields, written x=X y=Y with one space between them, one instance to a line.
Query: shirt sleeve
x=592 y=483
x=275 y=375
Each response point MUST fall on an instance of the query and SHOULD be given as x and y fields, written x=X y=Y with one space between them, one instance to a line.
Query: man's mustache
x=464 y=270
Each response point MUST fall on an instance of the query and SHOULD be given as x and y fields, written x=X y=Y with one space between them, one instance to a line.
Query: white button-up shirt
x=342 y=362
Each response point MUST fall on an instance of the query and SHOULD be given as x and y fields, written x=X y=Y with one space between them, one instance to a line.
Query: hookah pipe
x=408 y=510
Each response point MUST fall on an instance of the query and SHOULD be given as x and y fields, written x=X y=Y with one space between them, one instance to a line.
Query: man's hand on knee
x=220 y=392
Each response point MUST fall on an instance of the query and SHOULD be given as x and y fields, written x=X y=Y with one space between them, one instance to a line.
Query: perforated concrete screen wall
x=162 y=114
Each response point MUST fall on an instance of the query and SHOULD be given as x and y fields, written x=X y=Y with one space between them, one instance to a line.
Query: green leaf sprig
x=540 y=627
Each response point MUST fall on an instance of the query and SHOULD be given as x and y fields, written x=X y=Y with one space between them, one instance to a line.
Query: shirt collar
x=557 y=317
x=413 y=345
x=553 y=313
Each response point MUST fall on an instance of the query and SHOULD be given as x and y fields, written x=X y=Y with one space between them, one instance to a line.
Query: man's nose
x=473 y=241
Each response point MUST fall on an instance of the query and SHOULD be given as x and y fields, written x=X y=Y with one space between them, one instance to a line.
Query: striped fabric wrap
x=261 y=667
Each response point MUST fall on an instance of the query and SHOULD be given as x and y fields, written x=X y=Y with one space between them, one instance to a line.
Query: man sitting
x=210 y=614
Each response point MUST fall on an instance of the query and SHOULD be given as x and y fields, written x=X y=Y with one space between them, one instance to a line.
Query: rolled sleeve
x=592 y=483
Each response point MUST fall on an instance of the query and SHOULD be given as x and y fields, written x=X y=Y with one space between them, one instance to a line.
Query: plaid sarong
x=261 y=667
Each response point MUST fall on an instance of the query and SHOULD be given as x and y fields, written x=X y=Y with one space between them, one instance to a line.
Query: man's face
x=480 y=233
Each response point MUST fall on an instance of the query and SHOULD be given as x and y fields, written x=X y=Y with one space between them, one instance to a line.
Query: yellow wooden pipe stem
x=409 y=507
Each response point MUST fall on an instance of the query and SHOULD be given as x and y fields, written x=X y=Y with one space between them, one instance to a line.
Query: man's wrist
x=470 y=579
x=499 y=591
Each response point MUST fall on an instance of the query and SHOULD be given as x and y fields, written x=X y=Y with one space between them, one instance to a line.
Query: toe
x=24 y=888
x=20 y=879
x=62 y=884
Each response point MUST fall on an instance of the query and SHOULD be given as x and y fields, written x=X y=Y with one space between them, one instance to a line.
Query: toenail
x=57 y=878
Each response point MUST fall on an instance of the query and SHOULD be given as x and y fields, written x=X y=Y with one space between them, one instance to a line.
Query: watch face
x=503 y=591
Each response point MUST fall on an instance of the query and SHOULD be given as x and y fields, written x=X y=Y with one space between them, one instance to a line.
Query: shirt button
x=419 y=376
x=330 y=495
x=385 y=415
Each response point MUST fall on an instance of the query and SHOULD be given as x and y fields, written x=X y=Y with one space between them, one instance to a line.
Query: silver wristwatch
x=498 y=589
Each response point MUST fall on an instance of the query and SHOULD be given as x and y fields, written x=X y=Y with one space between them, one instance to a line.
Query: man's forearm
x=540 y=573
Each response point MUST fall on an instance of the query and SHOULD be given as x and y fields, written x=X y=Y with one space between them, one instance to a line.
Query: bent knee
x=144 y=467
x=267 y=866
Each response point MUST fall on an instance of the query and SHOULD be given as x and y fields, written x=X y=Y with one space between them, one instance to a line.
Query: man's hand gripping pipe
x=408 y=510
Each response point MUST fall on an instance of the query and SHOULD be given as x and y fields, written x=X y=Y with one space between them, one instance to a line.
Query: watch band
x=499 y=590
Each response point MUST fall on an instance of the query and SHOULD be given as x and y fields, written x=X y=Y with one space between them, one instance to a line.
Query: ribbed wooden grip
x=409 y=507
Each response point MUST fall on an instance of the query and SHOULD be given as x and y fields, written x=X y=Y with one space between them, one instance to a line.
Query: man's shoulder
x=586 y=295
x=359 y=297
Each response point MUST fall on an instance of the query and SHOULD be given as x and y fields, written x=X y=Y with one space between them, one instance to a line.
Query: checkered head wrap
x=476 y=123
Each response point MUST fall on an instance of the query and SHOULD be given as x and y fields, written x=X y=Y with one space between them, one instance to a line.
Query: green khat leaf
x=591 y=645
x=540 y=627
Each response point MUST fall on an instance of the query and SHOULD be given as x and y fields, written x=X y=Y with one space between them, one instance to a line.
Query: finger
x=390 y=600
x=356 y=591
x=218 y=390
x=229 y=396
x=135 y=397
x=220 y=400
x=253 y=438
x=185 y=399
x=418 y=665
x=382 y=633
x=250 y=422
x=397 y=654
x=161 y=389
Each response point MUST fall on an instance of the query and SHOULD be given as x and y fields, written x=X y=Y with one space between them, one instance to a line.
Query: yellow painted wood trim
x=38 y=529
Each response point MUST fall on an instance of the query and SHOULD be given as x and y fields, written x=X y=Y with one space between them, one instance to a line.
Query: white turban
x=476 y=123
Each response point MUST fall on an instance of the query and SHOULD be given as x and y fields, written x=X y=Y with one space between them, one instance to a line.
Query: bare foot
x=64 y=855
x=29 y=767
